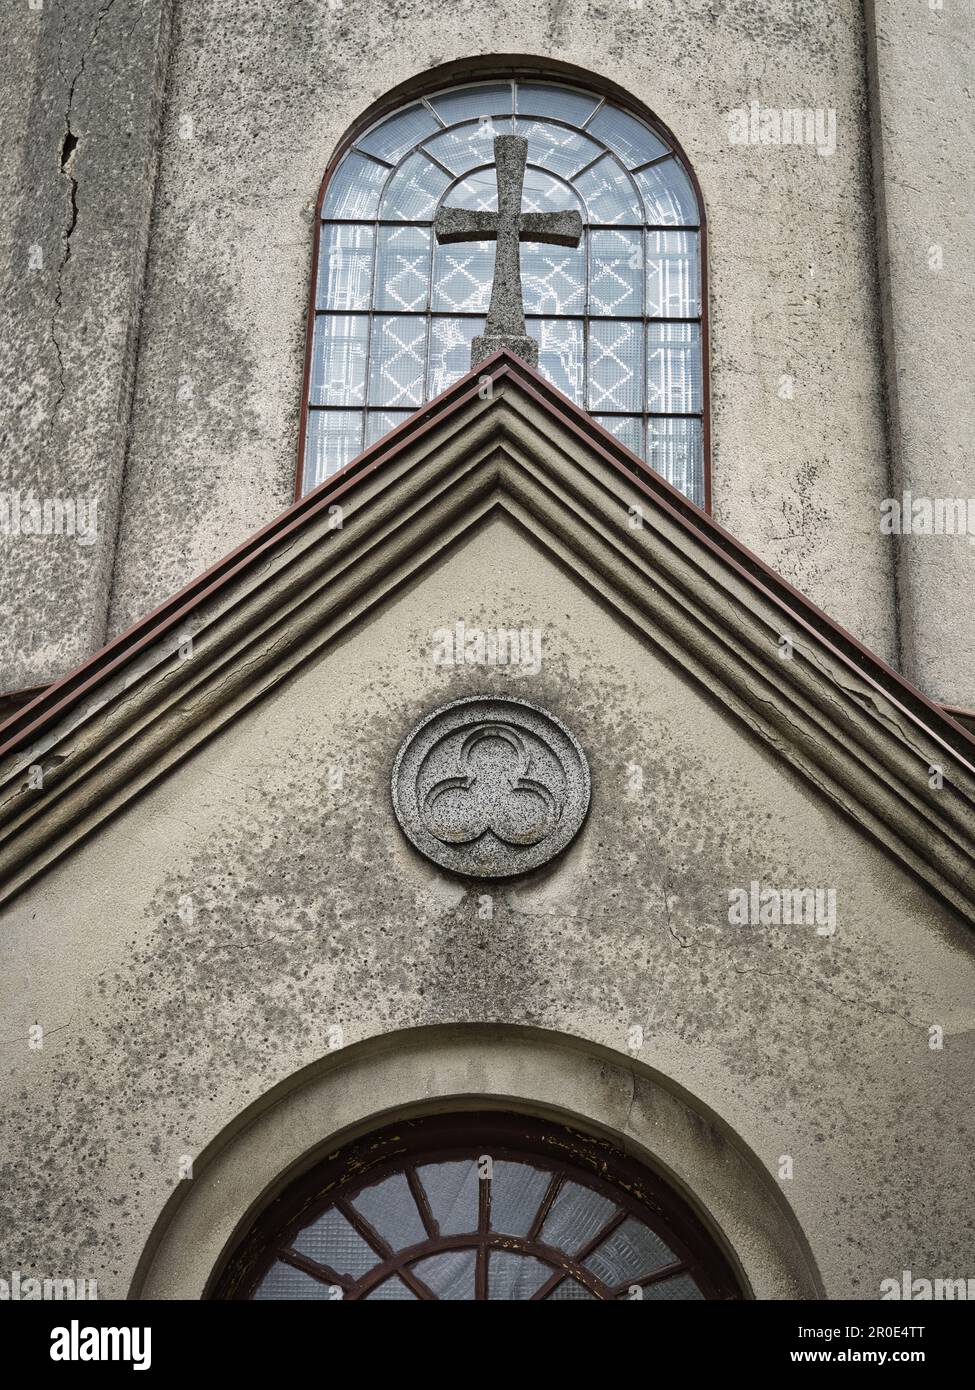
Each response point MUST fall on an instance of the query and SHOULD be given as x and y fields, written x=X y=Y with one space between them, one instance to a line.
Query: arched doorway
x=478 y=1206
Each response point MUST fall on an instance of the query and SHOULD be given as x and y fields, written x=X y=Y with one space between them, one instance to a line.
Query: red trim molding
x=54 y=701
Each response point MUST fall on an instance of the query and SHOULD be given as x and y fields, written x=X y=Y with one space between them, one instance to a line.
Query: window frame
x=568 y=1153
x=556 y=75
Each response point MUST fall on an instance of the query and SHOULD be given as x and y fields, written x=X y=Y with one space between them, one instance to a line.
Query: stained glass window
x=617 y=319
x=478 y=1207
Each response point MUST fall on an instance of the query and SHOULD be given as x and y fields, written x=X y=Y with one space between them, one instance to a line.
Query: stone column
x=80 y=110
x=921 y=56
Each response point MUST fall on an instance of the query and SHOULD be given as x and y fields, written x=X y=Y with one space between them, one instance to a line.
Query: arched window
x=618 y=319
x=478 y=1206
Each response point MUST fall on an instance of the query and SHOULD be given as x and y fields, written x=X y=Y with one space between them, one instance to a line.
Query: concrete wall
x=460 y=1068
x=196 y=952
x=922 y=57
x=80 y=110
x=259 y=95
x=268 y=92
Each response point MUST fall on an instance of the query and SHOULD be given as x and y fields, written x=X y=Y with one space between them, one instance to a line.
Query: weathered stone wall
x=263 y=94
x=80 y=107
x=257 y=103
x=258 y=97
x=922 y=59
x=199 y=947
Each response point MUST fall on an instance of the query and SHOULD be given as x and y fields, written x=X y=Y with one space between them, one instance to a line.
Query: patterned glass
x=628 y=429
x=403 y=269
x=674 y=381
x=389 y=1208
x=331 y=1241
x=345 y=268
x=616 y=273
x=631 y=1252
x=399 y=355
x=629 y=139
x=615 y=365
x=617 y=318
x=668 y=195
x=456 y=1227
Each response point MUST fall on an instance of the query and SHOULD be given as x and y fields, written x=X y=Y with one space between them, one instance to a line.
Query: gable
x=841 y=719
x=254 y=910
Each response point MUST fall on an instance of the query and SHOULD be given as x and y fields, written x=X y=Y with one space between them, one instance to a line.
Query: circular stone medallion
x=490 y=787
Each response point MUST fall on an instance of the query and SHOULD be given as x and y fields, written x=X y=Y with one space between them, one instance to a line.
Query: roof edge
x=56 y=699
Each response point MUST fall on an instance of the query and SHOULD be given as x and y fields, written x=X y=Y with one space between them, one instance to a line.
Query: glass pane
x=413 y=190
x=338 y=359
x=542 y=192
x=478 y=191
x=353 y=190
x=634 y=142
x=545 y=193
x=402 y=267
x=465 y=147
x=560 y=354
x=462 y=275
x=680 y=1287
x=380 y=422
x=344 y=267
x=284 y=1281
x=616 y=272
x=449 y=1275
x=668 y=195
x=398 y=360
x=676 y=450
x=570 y=1288
x=450 y=351
x=332 y=440
x=630 y=1253
x=553 y=278
x=391 y=1289
x=615 y=365
x=516 y=1194
x=535 y=99
x=332 y=1241
x=453 y=1190
x=629 y=274
x=628 y=429
x=674 y=367
x=562 y=151
x=576 y=1216
x=609 y=194
x=395 y=136
x=673 y=275
x=515 y=1276
x=390 y=1209
x=471 y=103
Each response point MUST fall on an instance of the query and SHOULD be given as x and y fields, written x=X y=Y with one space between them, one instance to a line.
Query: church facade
x=488 y=772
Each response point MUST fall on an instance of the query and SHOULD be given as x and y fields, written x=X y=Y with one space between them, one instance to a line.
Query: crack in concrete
x=47 y=1033
x=69 y=148
x=682 y=941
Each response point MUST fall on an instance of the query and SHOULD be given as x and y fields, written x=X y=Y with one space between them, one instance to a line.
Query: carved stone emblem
x=490 y=787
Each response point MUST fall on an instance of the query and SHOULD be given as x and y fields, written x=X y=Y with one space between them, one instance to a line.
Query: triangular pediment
x=500 y=441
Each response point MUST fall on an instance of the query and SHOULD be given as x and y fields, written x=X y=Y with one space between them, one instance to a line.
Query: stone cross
x=508 y=226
